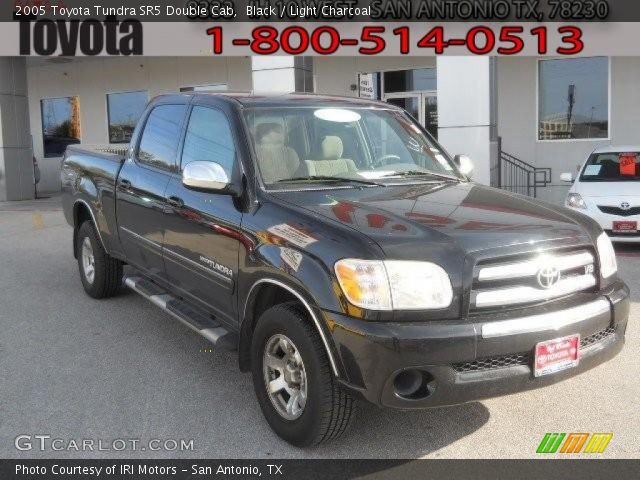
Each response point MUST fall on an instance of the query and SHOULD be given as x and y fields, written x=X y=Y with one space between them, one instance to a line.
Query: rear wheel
x=100 y=273
x=292 y=378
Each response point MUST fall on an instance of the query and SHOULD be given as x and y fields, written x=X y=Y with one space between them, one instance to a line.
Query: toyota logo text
x=548 y=277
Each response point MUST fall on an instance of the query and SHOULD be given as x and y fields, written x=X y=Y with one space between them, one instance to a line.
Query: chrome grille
x=619 y=211
x=535 y=278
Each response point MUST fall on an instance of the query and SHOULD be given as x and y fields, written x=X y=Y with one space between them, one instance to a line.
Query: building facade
x=548 y=114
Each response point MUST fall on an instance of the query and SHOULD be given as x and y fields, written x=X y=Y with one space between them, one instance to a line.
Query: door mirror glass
x=464 y=163
x=566 y=177
x=207 y=176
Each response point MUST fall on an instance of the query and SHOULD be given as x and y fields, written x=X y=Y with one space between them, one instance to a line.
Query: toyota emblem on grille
x=548 y=276
x=625 y=206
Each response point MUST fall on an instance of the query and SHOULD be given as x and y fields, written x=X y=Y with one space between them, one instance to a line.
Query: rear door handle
x=175 y=202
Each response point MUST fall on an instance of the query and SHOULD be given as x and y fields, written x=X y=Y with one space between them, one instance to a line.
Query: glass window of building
x=123 y=110
x=213 y=87
x=573 y=98
x=418 y=80
x=60 y=124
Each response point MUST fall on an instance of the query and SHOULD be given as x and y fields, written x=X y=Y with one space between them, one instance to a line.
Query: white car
x=607 y=189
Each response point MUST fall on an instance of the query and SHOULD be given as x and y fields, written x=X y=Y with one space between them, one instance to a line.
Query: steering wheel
x=386 y=159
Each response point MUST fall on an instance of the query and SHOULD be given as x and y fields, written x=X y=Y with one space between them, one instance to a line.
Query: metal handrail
x=518 y=176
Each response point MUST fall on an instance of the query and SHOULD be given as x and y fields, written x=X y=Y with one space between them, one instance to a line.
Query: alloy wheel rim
x=88 y=260
x=285 y=377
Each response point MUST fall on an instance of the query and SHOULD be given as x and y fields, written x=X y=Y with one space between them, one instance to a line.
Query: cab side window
x=161 y=135
x=208 y=139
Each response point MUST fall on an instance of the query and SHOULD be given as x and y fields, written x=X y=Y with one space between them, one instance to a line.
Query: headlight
x=575 y=200
x=365 y=283
x=394 y=285
x=608 y=263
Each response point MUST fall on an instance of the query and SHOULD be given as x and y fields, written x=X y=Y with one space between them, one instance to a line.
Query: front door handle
x=176 y=202
x=125 y=184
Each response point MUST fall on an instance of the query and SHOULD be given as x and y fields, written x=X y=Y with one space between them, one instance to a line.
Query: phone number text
x=374 y=39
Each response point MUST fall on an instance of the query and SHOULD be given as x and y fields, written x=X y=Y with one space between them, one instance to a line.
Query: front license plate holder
x=625 y=226
x=555 y=355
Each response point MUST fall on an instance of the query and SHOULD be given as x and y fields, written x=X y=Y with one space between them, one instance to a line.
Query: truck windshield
x=612 y=167
x=344 y=145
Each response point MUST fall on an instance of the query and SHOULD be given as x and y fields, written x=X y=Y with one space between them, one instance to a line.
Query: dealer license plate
x=625 y=226
x=555 y=355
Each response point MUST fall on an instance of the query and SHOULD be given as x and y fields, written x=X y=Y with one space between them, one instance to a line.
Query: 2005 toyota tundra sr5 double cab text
x=344 y=254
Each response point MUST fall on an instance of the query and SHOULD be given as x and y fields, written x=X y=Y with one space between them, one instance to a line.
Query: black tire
x=329 y=408
x=107 y=270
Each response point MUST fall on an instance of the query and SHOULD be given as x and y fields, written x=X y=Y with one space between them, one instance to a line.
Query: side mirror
x=464 y=163
x=206 y=176
x=566 y=177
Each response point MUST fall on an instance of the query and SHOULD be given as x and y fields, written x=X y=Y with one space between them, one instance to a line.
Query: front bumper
x=459 y=363
x=605 y=220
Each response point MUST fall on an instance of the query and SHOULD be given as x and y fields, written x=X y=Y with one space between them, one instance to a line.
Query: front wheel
x=292 y=378
x=100 y=273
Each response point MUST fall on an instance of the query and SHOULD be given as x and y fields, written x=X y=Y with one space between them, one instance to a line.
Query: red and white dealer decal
x=557 y=354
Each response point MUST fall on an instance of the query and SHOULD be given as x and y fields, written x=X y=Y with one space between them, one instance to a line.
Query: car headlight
x=394 y=284
x=575 y=200
x=608 y=263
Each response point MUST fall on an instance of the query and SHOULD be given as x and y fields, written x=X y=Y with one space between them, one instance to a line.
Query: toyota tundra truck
x=343 y=253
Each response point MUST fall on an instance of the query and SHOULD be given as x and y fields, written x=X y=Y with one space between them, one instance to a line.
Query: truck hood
x=404 y=219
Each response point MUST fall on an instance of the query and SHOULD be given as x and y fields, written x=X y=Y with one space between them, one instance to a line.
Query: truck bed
x=89 y=176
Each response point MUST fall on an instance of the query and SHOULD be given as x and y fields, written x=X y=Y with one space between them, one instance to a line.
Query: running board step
x=182 y=311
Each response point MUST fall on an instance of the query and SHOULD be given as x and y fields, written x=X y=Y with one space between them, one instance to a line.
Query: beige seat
x=332 y=163
x=276 y=160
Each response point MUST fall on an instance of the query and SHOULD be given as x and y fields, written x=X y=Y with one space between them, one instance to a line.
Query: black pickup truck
x=343 y=253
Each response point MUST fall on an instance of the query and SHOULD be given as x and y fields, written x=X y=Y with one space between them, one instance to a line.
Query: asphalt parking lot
x=76 y=368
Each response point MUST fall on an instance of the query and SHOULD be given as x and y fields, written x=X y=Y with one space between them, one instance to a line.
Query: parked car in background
x=607 y=189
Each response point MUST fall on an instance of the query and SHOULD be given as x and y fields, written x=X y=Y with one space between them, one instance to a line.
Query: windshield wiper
x=329 y=178
x=420 y=173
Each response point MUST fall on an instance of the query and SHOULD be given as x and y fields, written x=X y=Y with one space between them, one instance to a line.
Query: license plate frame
x=566 y=349
x=624 y=226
